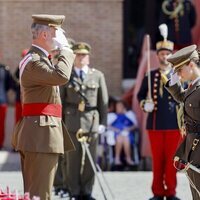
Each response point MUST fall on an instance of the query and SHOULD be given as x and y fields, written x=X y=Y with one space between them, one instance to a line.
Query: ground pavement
x=124 y=185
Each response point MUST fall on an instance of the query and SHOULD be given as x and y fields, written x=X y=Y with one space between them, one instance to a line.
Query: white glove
x=148 y=106
x=60 y=40
x=174 y=78
x=101 y=129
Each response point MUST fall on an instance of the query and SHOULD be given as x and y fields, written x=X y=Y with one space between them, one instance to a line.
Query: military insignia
x=81 y=46
x=81 y=106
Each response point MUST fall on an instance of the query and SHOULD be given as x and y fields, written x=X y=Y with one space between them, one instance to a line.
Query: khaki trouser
x=60 y=181
x=38 y=171
x=80 y=183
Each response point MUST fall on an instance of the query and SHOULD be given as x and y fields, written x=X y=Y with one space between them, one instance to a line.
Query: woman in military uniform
x=186 y=66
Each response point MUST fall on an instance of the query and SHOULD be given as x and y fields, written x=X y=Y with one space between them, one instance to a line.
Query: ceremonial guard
x=161 y=123
x=180 y=17
x=186 y=63
x=85 y=102
x=40 y=136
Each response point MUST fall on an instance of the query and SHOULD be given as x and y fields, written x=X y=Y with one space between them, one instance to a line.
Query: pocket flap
x=48 y=121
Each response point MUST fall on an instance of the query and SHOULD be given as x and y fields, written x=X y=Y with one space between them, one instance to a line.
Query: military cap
x=164 y=45
x=81 y=48
x=183 y=56
x=49 y=20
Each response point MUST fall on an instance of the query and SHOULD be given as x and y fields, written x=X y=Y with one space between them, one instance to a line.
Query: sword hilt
x=80 y=135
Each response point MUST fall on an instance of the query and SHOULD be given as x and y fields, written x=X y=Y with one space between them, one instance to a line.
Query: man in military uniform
x=85 y=102
x=40 y=136
x=161 y=125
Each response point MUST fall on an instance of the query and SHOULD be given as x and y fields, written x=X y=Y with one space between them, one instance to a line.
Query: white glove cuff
x=174 y=79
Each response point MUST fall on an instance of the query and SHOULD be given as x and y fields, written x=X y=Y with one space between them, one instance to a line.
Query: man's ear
x=44 y=34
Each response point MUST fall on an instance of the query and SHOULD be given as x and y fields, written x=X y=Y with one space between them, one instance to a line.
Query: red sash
x=34 y=109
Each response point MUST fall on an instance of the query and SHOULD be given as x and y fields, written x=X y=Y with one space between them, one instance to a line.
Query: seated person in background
x=123 y=123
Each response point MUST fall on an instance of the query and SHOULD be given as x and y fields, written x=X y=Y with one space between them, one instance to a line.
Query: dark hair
x=123 y=102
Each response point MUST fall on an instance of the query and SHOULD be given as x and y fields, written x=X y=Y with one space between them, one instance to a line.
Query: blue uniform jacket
x=179 y=28
x=164 y=115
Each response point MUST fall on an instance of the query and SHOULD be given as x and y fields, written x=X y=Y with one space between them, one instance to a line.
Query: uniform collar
x=85 y=69
x=195 y=80
x=43 y=50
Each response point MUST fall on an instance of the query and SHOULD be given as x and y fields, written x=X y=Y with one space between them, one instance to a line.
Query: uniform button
x=155 y=102
x=155 y=97
x=154 y=90
x=157 y=74
x=155 y=79
x=190 y=104
x=83 y=87
x=155 y=108
x=169 y=97
x=155 y=84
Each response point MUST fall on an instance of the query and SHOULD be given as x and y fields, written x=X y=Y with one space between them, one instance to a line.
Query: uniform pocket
x=49 y=121
x=92 y=88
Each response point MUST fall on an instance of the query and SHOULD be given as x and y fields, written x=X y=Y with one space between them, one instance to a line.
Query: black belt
x=87 y=108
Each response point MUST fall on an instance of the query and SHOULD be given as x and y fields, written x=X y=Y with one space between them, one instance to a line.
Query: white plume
x=163 y=31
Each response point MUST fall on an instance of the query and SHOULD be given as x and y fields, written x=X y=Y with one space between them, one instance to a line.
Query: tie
x=81 y=75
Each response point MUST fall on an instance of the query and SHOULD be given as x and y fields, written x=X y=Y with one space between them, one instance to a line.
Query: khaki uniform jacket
x=95 y=90
x=190 y=97
x=39 y=84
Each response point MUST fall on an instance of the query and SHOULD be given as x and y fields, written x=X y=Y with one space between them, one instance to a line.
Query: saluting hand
x=60 y=40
